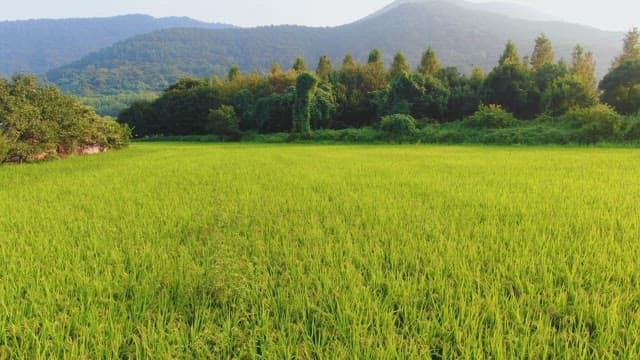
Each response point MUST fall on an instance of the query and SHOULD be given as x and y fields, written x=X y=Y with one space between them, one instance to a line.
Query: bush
x=108 y=134
x=490 y=117
x=594 y=124
x=225 y=123
x=398 y=126
x=632 y=132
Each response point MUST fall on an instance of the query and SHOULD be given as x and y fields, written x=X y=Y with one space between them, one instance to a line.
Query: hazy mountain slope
x=516 y=11
x=41 y=45
x=462 y=37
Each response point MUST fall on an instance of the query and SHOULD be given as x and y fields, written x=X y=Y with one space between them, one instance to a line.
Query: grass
x=296 y=251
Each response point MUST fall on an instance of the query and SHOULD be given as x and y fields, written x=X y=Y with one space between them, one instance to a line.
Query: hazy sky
x=610 y=14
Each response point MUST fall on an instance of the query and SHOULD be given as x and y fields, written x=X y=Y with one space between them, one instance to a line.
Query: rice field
x=165 y=251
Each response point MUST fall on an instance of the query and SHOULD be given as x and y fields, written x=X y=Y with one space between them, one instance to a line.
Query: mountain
x=516 y=11
x=461 y=35
x=41 y=45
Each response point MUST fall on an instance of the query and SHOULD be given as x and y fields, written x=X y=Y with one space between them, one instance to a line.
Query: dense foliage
x=39 y=122
x=358 y=95
x=462 y=37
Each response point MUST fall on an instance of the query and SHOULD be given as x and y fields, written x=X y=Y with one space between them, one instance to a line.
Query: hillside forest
x=535 y=96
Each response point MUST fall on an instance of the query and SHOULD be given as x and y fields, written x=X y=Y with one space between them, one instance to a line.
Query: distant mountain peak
x=512 y=10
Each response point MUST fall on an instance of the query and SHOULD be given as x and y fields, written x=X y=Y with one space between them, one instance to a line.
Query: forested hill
x=461 y=36
x=41 y=45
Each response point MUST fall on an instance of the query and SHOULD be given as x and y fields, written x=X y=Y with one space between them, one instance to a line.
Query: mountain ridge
x=462 y=37
x=513 y=10
x=39 y=45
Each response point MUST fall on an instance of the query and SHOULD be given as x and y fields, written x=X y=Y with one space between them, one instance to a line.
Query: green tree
x=399 y=65
x=139 y=117
x=621 y=87
x=510 y=55
x=224 y=122
x=631 y=48
x=234 y=73
x=305 y=88
x=542 y=52
x=375 y=75
x=513 y=87
x=429 y=65
x=566 y=93
x=276 y=69
x=583 y=67
x=325 y=67
x=299 y=66
x=417 y=95
x=38 y=122
x=477 y=74
x=348 y=62
x=375 y=57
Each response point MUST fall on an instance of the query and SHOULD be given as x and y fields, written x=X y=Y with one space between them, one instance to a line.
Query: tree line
x=354 y=95
x=39 y=122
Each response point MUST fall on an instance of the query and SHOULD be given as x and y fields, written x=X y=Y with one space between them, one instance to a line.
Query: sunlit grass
x=218 y=251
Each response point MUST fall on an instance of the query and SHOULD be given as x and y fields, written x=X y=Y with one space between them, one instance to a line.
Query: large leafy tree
x=38 y=122
x=621 y=87
x=512 y=86
x=417 y=95
x=566 y=93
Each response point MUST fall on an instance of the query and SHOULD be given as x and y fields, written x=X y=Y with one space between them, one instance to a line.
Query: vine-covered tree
x=305 y=89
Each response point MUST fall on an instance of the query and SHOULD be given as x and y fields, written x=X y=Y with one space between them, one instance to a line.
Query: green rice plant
x=186 y=250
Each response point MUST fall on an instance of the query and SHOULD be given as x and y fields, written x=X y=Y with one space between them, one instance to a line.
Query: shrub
x=596 y=123
x=109 y=134
x=225 y=123
x=490 y=117
x=398 y=126
x=632 y=133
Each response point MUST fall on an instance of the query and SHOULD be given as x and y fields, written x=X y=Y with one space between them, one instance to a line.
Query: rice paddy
x=322 y=252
